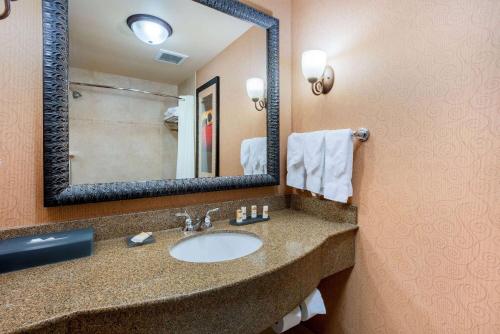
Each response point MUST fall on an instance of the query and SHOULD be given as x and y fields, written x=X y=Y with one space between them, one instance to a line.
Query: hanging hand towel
x=296 y=172
x=258 y=156
x=338 y=165
x=253 y=156
x=246 y=145
x=314 y=160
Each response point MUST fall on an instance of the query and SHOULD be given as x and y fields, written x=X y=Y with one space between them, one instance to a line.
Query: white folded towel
x=312 y=306
x=314 y=160
x=253 y=156
x=172 y=112
x=338 y=165
x=296 y=172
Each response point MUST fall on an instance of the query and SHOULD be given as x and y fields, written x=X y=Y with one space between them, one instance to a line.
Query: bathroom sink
x=216 y=247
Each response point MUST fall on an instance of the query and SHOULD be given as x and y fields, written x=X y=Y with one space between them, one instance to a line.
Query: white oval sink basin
x=216 y=247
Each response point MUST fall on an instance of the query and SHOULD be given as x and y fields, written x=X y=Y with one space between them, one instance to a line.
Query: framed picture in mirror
x=207 y=129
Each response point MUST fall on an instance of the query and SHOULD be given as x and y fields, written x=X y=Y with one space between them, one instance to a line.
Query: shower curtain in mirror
x=186 y=138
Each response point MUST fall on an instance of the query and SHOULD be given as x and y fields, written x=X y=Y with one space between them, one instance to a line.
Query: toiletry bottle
x=239 y=216
x=254 y=211
x=243 y=212
x=265 y=212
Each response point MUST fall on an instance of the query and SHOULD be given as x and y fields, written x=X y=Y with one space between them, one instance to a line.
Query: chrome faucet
x=199 y=226
x=188 y=222
x=208 y=221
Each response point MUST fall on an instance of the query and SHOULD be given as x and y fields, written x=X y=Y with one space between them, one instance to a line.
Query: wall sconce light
x=6 y=11
x=255 y=91
x=317 y=72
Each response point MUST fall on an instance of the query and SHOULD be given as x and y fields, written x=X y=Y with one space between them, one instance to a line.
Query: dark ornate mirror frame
x=57 y=188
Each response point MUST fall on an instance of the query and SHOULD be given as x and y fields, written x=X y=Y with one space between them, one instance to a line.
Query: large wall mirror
x=158 y=97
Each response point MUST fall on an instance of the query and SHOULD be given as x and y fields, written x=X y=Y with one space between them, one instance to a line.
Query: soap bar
x=147 y=241
x=25 y=252
x=141 y=237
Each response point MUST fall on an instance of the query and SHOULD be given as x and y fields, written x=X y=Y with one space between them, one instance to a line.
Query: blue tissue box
x=37 y=250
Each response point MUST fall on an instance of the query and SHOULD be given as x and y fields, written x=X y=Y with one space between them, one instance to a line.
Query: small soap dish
x=249 y=221
x=147 y=241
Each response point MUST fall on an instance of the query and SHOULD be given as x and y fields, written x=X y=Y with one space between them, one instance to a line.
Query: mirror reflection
x=164 y=89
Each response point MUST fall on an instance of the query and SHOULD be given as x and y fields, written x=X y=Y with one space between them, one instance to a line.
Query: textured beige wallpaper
x=21 y=175
x=424 y=76
x=243 y=59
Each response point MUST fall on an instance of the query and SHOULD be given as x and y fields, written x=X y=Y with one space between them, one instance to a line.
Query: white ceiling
x=100 y=39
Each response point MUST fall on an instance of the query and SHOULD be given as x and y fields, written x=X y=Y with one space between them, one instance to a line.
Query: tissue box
x=36 y=250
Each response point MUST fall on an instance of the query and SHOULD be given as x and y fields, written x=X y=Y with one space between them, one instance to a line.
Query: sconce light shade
x=313 y=64
x=317 y=72
x=255 y=89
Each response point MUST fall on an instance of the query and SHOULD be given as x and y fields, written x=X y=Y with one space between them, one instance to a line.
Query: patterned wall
x=424 y=76
x=21 y=178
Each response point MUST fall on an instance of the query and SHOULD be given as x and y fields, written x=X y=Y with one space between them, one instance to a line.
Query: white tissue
x=38 y=240
x=312 y=306
x=290 y=320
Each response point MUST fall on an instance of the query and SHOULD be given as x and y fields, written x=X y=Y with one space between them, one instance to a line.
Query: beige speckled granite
x=115 y=226
x=325 y=209
x=299 y=329
x=145 y=290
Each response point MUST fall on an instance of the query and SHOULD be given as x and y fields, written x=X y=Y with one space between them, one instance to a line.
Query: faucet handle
x=183 y=214
x=209 y=212
x=188 y=223
x=208 y=222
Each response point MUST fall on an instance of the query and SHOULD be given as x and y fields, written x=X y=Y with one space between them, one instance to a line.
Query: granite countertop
x=118 y=278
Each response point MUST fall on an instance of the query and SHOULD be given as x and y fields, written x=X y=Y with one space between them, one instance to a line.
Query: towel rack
x=6 y=11
x=362 y=134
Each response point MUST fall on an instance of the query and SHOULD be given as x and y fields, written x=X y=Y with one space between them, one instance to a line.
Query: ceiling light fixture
x=149 y=29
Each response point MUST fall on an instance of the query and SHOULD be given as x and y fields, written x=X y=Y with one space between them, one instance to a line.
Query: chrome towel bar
x=362 y=134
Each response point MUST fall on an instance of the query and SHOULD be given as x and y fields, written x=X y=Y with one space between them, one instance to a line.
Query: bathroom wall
x=424 y=77
x=188 y=86
x=120 y=136
x=243 y=59
x=21 y=174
